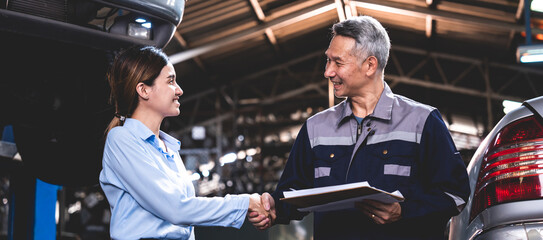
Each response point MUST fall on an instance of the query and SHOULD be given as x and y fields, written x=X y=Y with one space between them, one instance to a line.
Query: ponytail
x=130 y=67
x=114 y=123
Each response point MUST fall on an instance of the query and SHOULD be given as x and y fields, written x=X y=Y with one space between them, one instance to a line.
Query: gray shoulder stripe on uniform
x=331 y=141
x=398 y=135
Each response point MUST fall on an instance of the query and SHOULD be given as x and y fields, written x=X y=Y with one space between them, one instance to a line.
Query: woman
x=143 y=177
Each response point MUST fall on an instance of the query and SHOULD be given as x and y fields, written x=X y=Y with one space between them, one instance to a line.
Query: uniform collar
x=383 y=109
x=140 y=130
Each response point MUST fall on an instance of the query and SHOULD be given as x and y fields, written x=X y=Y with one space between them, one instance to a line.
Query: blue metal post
x=45 y=209
x=32 y=203
x=527 y=12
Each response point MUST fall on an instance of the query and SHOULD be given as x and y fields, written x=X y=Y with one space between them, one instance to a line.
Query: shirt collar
x=170 y=141
x=383 y=109
x=140 y=130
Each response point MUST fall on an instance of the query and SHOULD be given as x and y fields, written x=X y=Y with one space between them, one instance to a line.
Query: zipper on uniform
x=358 y=130
x=358 y=133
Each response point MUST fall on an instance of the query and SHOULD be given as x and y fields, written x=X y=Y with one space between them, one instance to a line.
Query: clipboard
x=338 y=196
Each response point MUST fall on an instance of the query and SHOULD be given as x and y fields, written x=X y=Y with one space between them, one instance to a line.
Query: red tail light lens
x=512 y=168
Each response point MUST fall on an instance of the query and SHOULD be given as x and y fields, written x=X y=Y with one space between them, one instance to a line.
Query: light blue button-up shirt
x=149 y=192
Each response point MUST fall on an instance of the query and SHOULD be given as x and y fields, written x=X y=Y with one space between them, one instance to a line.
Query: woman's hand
x=259 y=220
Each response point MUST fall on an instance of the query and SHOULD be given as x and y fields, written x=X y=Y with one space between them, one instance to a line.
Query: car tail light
x=512 y=168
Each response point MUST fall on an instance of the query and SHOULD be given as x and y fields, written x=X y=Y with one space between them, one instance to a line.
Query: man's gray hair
x=370 y=36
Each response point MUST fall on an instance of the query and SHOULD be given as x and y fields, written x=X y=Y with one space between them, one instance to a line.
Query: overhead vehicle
x=506 y=175
x=54 y=58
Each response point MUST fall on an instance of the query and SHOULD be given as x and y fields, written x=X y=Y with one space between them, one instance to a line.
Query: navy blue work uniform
x=403 y=145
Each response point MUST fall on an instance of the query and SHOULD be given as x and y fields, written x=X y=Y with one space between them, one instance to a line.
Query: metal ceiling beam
x=350 y=9
x=317 y=9
x=520 y=10
x=262 y=18
x=278 y=67
x=254 y=32
x=464 y=59
x=420 y=12
x=450 y=85
x=213 y=13
x=340 y=10
x=258 y=10
x=402 y=78
x=177 y=36
x=448 y=88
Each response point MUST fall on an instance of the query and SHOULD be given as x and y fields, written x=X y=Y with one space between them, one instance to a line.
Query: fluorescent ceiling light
x=531 y=58
x=530 y=53
x=537 y=5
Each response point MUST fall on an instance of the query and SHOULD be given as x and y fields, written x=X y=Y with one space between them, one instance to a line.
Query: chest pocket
x=397 y=158
x=331 y=162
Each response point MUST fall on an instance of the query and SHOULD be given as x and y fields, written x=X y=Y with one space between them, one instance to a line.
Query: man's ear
x=142 y=91
x=372 y=65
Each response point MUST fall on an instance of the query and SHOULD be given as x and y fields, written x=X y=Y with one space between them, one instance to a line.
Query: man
x=390 y=141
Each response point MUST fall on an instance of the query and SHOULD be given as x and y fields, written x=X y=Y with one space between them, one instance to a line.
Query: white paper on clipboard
x=350 y=203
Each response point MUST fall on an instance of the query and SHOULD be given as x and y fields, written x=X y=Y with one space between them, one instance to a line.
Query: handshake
x=261 y=211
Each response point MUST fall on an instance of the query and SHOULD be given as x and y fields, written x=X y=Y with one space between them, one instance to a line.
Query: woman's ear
x=142 y=91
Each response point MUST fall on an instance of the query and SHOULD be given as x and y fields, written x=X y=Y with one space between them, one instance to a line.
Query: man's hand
x=256 y=209
x=381 y=213
x=263 y=221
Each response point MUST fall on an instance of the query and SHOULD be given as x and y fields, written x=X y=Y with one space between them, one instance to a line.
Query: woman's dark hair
x=130 y=67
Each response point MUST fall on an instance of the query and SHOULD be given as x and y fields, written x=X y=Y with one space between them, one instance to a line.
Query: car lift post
x=32 y=202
